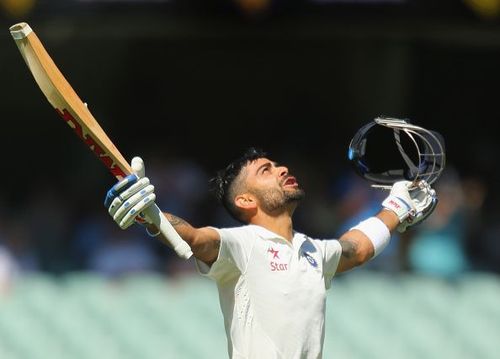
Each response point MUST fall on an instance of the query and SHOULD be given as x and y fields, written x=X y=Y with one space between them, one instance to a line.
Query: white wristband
x=376 y=231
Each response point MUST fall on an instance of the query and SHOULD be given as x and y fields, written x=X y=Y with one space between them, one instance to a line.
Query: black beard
x=295 y=196
x=275 y=200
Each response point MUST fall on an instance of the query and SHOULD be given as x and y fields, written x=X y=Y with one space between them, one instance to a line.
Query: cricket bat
x=75 y=113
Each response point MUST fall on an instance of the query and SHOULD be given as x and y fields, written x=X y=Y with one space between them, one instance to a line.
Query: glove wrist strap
x=399 y=206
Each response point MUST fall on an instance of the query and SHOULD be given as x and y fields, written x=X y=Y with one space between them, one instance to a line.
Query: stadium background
x=188 y=85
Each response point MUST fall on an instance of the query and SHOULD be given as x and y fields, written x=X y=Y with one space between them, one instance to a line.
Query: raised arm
x=358 y=248
x=129 y=198
x=405 y=206
x=204 y=242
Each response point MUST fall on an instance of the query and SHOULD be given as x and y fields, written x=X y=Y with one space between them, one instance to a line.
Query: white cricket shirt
x=272 y=292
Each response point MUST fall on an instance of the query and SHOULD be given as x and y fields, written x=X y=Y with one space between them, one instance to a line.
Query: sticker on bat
x=94 y=146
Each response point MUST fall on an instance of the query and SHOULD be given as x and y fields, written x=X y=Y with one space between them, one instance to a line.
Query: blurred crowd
x=51 y=232
x=47 y=236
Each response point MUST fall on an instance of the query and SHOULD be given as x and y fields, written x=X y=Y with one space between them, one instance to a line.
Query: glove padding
x=127 y=199
x=411 y=203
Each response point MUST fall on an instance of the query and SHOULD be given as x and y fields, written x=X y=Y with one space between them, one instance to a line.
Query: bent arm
x=204 y=242
x=357 y=248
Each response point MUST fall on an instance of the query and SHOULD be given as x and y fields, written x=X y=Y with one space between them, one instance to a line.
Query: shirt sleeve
x=332 y=251
x=235 y=247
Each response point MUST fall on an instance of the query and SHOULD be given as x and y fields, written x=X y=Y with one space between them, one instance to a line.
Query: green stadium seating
x=148 y=316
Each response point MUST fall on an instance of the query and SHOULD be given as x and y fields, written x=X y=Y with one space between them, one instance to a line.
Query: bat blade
x=64 y=99
x=73 y=111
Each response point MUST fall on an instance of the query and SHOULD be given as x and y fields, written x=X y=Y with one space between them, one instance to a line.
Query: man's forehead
x=257 y=163
x=253 y=166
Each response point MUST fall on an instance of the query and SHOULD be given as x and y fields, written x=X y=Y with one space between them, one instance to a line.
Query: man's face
x=272 y=185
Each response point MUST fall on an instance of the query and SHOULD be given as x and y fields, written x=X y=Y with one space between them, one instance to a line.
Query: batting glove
x=411 y=203
x=127 y=199
x=425 y=201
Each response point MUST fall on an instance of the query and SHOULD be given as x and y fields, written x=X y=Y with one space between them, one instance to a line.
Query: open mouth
x=290 y=182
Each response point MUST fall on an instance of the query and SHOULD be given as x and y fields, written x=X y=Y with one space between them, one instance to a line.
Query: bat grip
x=178 y=244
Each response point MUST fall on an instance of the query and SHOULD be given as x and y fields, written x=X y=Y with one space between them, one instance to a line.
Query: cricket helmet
x=388 y=150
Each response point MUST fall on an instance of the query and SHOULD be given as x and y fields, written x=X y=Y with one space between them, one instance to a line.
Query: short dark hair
x=222 y=185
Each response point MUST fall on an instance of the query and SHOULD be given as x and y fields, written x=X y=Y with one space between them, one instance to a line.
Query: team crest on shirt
x=311 y=260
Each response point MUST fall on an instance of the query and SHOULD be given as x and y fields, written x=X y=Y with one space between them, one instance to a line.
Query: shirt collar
x=270 y=235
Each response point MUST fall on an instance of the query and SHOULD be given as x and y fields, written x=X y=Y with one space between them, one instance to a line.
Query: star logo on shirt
x=274 y=252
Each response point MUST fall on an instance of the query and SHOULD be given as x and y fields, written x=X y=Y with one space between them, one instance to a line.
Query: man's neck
x=281 y=224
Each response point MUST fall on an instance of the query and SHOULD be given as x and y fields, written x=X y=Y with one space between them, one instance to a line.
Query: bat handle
x=381 y=186
x=178 y=244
